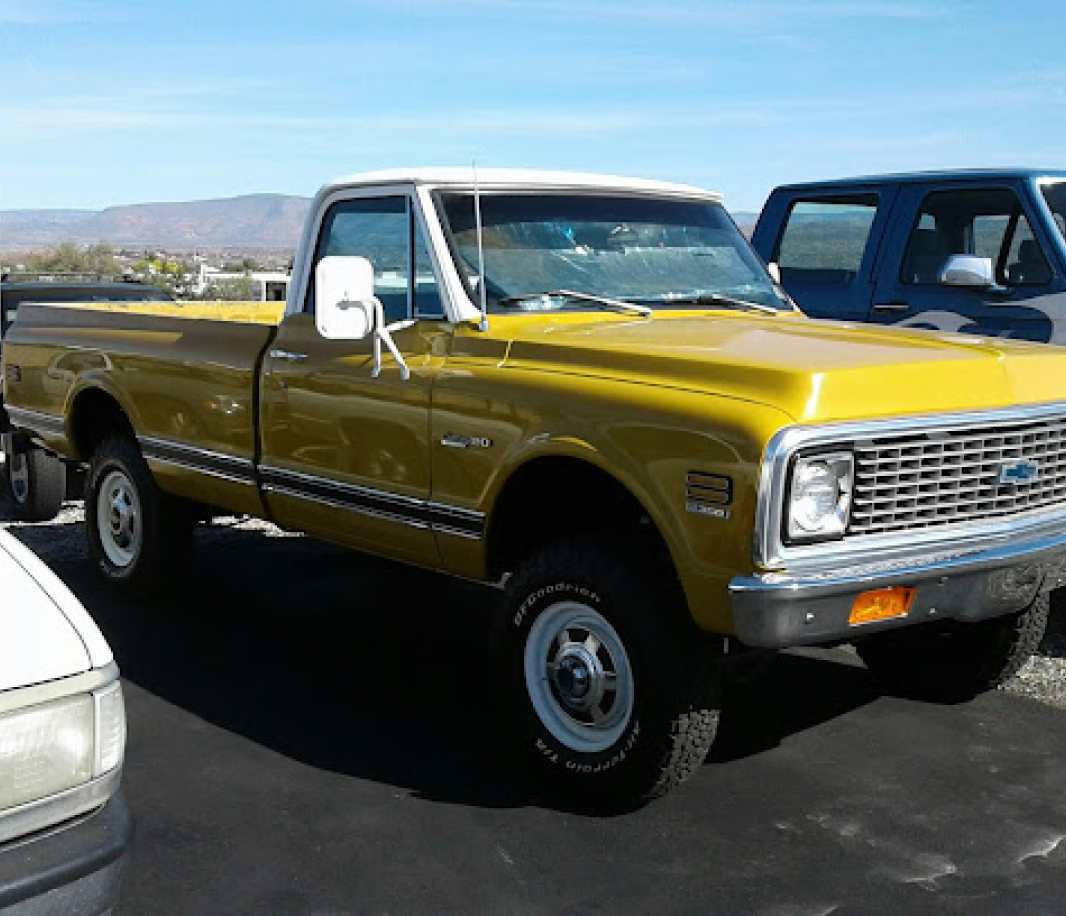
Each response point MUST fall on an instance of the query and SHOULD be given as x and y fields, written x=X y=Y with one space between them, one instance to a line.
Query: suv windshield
x=656 y=252
x=1055 y=195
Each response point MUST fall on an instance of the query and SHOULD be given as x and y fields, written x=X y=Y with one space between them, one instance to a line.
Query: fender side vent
x=708 y=494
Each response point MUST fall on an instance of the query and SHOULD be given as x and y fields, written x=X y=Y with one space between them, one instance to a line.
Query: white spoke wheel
x=139 y=537
x=119 y=524
x=578 y=676
x=616 y=696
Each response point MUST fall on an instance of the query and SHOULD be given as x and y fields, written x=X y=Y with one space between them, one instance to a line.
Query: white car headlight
x=819 y=497
x=52 y=747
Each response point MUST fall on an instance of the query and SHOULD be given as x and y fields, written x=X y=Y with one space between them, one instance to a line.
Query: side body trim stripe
x=34 y=420
x=378 y=503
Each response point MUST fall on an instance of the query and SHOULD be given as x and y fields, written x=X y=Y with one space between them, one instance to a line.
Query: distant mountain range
x=252 y=221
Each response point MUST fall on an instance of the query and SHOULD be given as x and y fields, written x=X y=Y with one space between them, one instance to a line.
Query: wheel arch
x=551 y=496
x=95 y=414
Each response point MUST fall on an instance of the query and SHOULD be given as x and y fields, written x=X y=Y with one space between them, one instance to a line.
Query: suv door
x=345 y=455
x=994 y=221
x=826 y=246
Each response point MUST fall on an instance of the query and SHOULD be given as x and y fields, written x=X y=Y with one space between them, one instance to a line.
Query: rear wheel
x=956 y=661
x=139 y=537
x=617 y=695
x=36 y=482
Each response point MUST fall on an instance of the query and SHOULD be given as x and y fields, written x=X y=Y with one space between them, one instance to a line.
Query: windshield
x=1055 y=195
x=631 y=249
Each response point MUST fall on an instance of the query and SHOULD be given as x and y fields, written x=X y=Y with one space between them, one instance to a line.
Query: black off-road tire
x=140 y=538
x=955 y=661
x=634 y=610
x=36 y=482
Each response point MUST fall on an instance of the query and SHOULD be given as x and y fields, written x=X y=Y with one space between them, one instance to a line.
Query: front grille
x=945 y=477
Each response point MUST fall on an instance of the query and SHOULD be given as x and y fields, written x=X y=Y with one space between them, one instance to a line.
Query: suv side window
x=987 y=222
x=824 y=240
x=384 y=230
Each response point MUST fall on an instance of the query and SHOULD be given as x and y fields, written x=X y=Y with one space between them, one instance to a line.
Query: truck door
x=345 y=456
x=994 y=221
x=826 y=247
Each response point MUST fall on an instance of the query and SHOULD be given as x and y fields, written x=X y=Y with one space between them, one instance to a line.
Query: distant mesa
x=251 y=221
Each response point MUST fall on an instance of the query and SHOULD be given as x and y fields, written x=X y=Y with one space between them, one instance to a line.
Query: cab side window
x=824 y=240
x=987 y=222
x=384 y=231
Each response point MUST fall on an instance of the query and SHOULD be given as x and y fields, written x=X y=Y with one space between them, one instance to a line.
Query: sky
x=107 y=102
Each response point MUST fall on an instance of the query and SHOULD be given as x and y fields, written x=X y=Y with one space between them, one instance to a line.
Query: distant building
x=267 y=286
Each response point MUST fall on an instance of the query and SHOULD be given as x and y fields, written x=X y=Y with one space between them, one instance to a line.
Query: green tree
x=235 y=289
x=71 y=258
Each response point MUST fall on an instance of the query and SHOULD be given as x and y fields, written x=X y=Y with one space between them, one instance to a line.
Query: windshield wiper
x=719 y=299
x=619 y=305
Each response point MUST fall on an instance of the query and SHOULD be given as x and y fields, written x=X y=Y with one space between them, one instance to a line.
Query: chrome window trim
x=771 y=553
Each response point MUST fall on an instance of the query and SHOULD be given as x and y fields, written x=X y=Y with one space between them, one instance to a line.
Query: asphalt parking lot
x=312 y=734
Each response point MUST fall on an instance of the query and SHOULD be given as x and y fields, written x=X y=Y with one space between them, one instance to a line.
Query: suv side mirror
x=345 y=307
x=967 y=271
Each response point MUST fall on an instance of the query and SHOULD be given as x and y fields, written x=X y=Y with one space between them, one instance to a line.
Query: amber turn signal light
x=882 y=604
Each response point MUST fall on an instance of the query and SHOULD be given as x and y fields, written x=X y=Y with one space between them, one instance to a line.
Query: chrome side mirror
x=345 y=307
x=967 y=271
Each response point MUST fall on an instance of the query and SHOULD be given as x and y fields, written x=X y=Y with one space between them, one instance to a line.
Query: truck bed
x=186 y=385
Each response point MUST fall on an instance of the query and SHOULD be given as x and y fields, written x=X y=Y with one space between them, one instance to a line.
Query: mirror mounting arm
x=383 y=334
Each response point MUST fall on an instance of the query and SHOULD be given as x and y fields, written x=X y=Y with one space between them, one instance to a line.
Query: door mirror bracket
x=347 y=309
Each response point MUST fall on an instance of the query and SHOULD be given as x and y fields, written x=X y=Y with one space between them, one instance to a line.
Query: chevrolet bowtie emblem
x=1018 y=472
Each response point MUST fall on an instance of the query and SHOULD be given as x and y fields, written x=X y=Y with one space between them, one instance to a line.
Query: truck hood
x=45 y=633
x=816 y=371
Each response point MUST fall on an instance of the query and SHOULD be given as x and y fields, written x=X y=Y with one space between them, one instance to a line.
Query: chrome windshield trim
x=769 y=552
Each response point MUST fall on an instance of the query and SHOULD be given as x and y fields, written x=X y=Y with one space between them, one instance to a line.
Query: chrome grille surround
x=921 y=481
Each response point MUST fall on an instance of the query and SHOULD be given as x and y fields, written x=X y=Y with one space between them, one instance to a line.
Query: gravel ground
x=1042 y=679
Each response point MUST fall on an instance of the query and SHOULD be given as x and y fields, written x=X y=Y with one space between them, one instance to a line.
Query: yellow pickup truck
x=588 y=391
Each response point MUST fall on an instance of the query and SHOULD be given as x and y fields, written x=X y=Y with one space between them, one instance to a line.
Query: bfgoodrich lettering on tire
x=617 y=694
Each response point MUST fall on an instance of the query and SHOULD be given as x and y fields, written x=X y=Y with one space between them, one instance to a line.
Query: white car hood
x=45 y=633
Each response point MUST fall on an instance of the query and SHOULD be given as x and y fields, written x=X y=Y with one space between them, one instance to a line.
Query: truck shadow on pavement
x=366 y=668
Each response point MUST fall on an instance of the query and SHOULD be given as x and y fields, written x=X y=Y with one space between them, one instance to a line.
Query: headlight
x=56 y=746
x=819 y=497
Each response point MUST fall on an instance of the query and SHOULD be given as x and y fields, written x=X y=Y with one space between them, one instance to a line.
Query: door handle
x=288 y=355
x=892 y=307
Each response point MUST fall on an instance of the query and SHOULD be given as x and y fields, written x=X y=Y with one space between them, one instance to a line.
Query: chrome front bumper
x=778 y=610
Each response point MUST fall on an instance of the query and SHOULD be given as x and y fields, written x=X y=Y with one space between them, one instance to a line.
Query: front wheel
x=617 y=695
x=139 y=537
x=955 y=661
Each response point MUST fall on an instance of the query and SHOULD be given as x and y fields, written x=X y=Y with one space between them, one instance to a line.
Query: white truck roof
x=503 y=179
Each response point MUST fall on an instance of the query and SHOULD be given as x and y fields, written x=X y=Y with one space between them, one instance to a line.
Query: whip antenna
x=483 y=325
